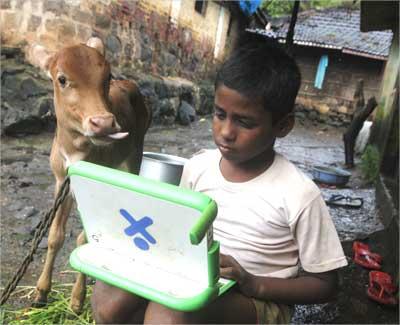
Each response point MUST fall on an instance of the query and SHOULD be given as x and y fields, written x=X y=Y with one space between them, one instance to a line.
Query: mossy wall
x=388 y=100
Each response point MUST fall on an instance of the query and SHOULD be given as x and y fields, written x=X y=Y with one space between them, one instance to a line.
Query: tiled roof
x=337 y=29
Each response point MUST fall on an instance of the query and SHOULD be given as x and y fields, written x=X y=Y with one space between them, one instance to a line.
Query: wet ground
x=27 y=192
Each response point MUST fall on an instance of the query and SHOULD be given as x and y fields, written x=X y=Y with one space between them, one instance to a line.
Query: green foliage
x=276 y=8
x=57 y=310
x=370 y=163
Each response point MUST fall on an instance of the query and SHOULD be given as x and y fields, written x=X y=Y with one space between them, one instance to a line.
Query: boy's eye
x=219 y=114
x=245 y=123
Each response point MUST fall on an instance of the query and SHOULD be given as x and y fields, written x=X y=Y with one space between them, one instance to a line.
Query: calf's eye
x=62 y=80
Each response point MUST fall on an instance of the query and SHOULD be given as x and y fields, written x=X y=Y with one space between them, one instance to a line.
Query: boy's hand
x=305 y=289
x=231 y=269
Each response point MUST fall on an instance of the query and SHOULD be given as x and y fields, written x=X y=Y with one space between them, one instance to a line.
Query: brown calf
x=98 y=120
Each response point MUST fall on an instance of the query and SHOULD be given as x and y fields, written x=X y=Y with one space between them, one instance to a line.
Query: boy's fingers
x=228 y=272
x=223 y=260
x=226 y=260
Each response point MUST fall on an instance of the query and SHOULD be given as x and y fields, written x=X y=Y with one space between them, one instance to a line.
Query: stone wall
x=27 y=96
x=341 y=77
x=138 y=34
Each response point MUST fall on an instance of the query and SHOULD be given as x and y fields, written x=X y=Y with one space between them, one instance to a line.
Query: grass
x=57 y=311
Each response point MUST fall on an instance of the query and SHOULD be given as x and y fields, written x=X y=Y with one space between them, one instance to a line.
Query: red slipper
x=381 y=288
x=357 y=245
x=364 y=257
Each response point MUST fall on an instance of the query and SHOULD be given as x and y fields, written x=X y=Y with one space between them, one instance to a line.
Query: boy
x=271 y=217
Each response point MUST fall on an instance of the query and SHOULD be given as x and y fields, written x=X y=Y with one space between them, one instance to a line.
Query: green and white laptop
x=150 y=238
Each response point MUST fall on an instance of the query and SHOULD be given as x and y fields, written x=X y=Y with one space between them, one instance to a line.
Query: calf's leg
x=55 y=242
x=79 y=290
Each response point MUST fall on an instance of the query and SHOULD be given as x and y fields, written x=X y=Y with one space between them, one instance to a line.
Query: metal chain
x=40 y=232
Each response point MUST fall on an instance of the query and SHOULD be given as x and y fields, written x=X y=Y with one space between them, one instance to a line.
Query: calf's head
x=81 y=80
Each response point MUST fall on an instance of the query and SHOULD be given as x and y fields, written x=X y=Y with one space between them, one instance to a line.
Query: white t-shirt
x=271 y=223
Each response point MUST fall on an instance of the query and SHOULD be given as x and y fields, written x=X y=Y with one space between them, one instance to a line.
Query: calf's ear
x=40 y=57
x=97 y=44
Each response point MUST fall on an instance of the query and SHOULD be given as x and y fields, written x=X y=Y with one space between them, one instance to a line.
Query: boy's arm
x=306 y=289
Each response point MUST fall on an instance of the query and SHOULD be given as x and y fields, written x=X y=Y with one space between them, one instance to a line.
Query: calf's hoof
x=76 y=306
x=39 y=304
x=40 y=299
x=78 y=295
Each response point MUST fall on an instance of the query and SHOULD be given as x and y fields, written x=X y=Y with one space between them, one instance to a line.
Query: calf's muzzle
x=104 y=125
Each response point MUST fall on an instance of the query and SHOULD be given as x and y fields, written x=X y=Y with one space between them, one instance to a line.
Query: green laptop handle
x=158 y=189
x=200 y=228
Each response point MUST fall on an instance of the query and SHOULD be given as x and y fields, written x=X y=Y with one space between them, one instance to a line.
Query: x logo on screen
x=137 y=228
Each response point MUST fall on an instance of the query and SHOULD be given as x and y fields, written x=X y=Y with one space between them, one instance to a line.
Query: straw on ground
x=57 y=311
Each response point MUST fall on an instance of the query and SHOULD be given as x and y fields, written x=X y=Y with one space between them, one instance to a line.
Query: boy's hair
x=260 y=69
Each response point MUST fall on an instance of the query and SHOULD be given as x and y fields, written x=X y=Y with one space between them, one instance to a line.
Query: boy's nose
x=228 y=131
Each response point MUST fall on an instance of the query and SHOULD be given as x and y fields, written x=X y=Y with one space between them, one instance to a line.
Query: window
x=319 y=77
x=200 y=6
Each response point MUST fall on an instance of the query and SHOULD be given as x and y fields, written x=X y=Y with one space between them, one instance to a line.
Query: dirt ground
x=27 y=192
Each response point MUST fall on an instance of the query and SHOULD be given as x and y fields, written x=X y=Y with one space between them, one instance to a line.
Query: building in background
x=168 y=37
x=333 y=55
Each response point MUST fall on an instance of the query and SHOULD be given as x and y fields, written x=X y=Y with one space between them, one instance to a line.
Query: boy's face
x=242 y=129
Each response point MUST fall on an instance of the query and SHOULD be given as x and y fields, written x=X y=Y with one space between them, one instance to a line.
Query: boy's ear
x=285 y=126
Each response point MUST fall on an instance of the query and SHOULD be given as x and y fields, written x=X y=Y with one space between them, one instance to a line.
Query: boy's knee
x=102 y=311
x=101 y=316
x=158 y=314
x=111 y=305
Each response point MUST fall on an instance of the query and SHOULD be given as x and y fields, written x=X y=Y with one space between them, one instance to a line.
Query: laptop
x=148 y=237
